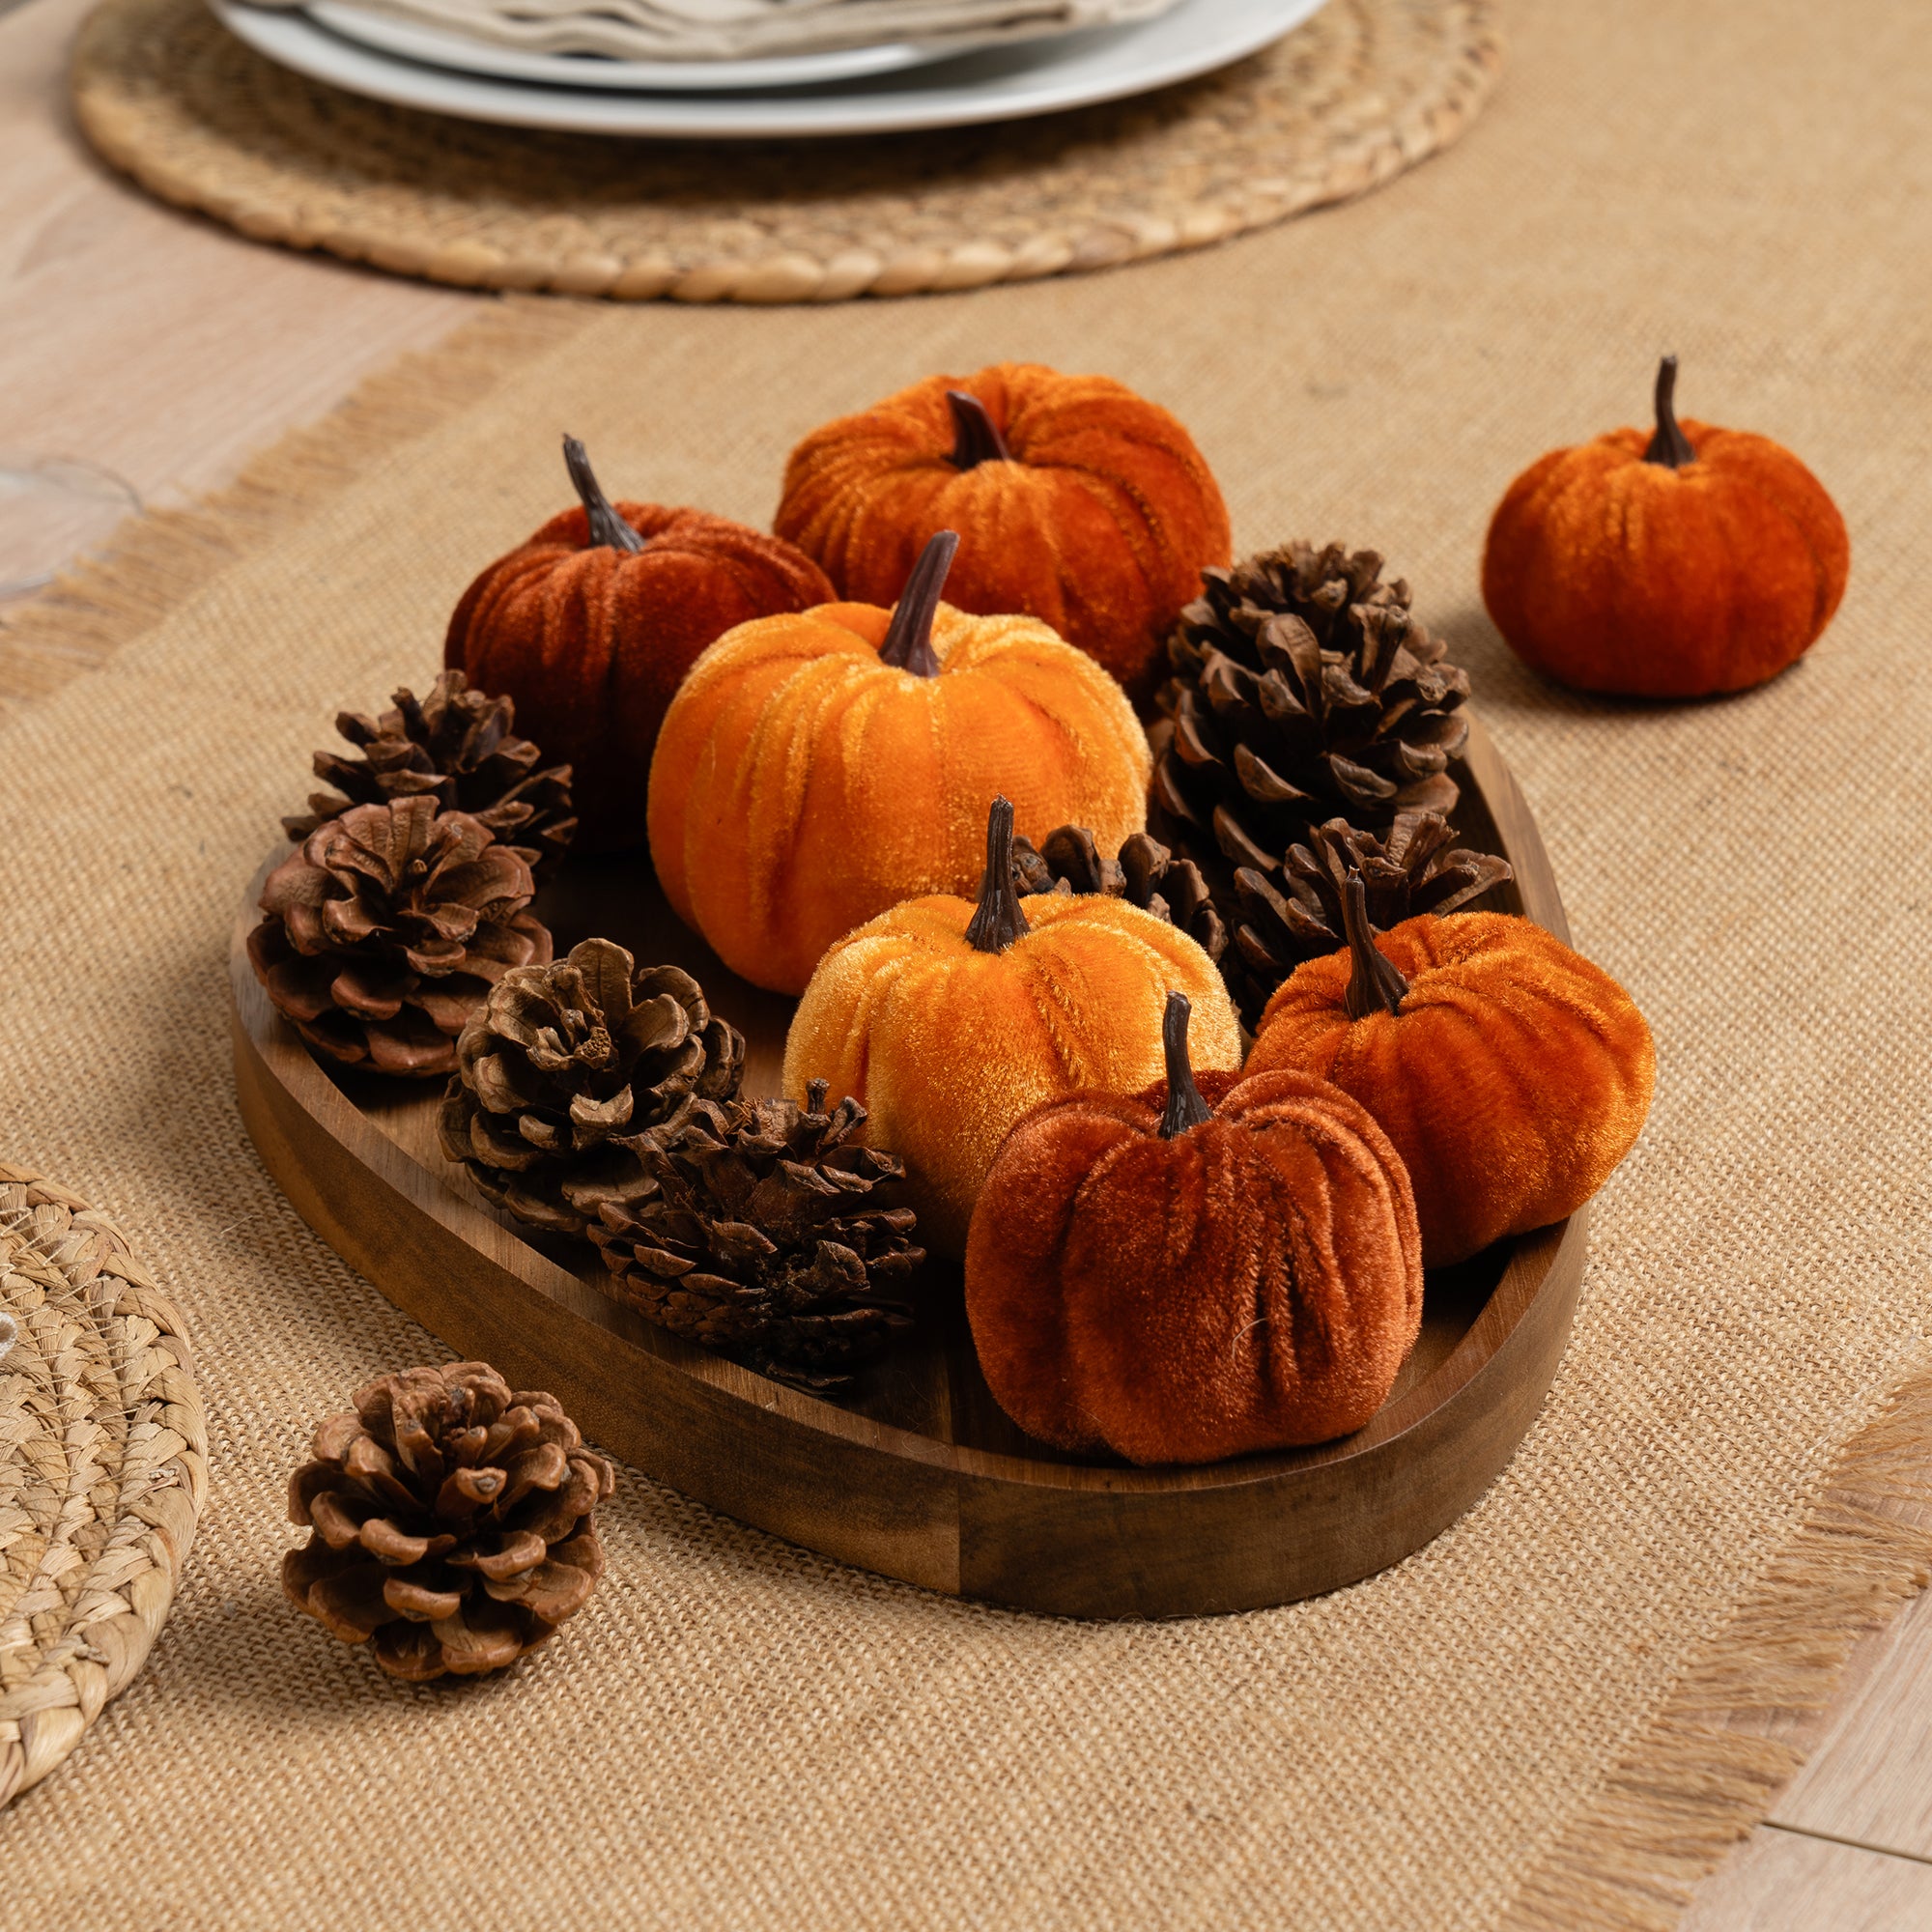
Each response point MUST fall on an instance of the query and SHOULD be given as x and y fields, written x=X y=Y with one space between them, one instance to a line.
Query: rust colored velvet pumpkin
x=815 y=770
x=1078 y=503
x=948 y=1020
x=1693 y=561
x=1511 y=1073
x=590 y=625
x=1195 y=1273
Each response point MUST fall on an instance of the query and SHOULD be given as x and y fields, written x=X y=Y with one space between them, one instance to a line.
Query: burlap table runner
x=1556 y=1713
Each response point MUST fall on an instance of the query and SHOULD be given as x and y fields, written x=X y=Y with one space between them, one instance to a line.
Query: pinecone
x=1418 y=869
x=761 y=1238
x=454 y=1521
x=560 y=1062
x=1145 y=874
x=383 y=933
x=454 y=745
x=1303 y=686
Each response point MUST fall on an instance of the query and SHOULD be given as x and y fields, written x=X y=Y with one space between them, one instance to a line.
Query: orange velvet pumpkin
x=1511 y=1073
x=1693 y=561
x=947 y=1020
x=1197 y=1271
x=1078 y=503
x=590 y=625
x=815 y=770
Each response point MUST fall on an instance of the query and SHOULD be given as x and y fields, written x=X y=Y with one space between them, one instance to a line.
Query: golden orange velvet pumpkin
x=947 y=1020
x=1195 y=1271
x=1511 y=1073
x=1078 y=503
x=1693 y=561
x=814 y=770
x=590 y=625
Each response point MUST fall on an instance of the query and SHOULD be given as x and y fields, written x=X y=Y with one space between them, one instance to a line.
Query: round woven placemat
x=1363 y=91
x=103 y=1467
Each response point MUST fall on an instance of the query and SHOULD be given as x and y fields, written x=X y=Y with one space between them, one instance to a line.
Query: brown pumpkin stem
x=1186 y=1108
x=1670 y=446
x=999 y=920
x=608 y=530
x=1376 y=984
x=976 y=437
x=908 y=644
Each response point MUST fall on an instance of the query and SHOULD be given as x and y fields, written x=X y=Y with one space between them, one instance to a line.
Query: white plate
x=432 y=47
x=1006 y=83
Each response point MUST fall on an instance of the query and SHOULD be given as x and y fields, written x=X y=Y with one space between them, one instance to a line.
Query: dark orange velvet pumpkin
x=1511 y=1073
x=1688 y=562
x=1076 y=501
x=590 y=625
x=1196 y=1273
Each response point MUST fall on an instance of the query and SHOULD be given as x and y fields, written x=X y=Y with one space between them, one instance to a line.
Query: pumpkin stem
x=608 y=530
x=908 y=644
x=999 y=920
x=1670 y=446
x=976 y=437
x=1376 y=985
x=1186 y=1108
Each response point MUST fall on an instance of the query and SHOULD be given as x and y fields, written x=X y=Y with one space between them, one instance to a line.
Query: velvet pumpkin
x=590 y=625
x=1078 y=503
x=1197 y=1271
x=947 y=1020
x=815 y=770
x=1511 y=1073
x=1693 y=561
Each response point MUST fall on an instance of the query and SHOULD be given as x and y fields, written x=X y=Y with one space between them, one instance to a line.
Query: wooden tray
x=919 y=1475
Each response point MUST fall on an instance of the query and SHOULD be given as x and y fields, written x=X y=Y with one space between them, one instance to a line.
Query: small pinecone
x=1145 y=874
x=454 y=1521
x=561 y=1061
x=1416 y=868
x=455 y=746
x=1303 y=686
x=383 y=934
x=761 y=1237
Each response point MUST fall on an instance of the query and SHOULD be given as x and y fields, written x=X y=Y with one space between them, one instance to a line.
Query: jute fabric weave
x=736 y=1733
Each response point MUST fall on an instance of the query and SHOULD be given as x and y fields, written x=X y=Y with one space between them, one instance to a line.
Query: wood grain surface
x=1787 y=1882
x=918 y=1475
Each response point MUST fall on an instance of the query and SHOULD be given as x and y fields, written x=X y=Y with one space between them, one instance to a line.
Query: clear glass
x=54 y=508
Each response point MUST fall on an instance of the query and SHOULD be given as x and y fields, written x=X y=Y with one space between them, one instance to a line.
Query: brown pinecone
x=761 y=1237
x=1145 y=874
x=1296 y=914
x=454 y=1521
x=454 y=745
x=1303 y=686
x=383 y=933
x=561 y=1061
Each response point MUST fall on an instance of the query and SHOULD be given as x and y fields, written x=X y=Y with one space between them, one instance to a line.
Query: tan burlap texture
x=1558 y=1713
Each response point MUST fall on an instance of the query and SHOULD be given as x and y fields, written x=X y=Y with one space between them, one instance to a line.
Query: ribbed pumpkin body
x=946 y=1047
x=802 y=785
x=1614 y=574
x=1099 y=521
x=1252 y=1283
x=591 y=642
x=1512 y=1081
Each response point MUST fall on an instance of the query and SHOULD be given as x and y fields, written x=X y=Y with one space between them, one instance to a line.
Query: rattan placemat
x=1360 y=92
x=103 y=1467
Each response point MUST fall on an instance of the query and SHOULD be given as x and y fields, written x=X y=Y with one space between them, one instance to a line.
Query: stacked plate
x=865 y=89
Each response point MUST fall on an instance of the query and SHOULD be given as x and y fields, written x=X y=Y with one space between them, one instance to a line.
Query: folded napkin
x=699 y=30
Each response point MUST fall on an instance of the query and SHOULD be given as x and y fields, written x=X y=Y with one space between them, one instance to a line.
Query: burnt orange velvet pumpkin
x=1197 y=1271
x=1509 y=1072
x=1691 y=561
x=1078 y=503
x=947 y=1019
x=815 y=770
x=590 y=625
